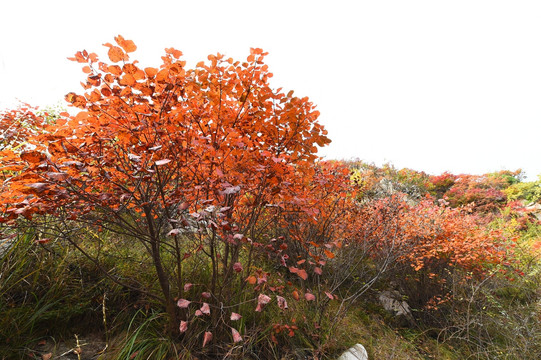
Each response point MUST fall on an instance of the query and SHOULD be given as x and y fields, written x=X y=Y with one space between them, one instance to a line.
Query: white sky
x=430 y=85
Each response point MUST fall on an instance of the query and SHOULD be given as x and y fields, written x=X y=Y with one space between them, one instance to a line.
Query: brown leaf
x=37 y=187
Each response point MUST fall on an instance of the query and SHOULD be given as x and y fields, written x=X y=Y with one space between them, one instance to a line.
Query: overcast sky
x=430 y=85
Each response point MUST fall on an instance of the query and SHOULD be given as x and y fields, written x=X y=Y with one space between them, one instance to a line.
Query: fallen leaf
x=262 y=300
x=183 y=326
x=183 y=303
x=236 y=335
x=205 y=309
x=207 y=338
x=282 y=303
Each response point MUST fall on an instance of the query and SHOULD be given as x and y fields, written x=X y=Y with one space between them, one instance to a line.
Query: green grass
x=51 y=292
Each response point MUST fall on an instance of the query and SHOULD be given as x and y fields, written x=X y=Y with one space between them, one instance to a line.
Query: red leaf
x=318 y=270
x=183 y=303
x=188 y=286
x=205 y=309
x=207 y=338
x=237 y=267
x=183 y=326
x=309 y=297
x=184 y=206
x=282 y=303
x=236 y=335
x=300 y=272
x=235 y=316
x=262 y=300
x=329 y=295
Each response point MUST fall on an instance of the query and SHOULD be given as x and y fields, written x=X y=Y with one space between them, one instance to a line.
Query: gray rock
x=357 y=352
x=392 y=301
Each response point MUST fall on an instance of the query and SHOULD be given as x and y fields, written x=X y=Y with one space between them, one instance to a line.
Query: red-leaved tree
x=184 y=162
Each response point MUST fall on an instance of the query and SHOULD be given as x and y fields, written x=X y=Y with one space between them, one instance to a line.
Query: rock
x=392 y=301
x=534 y=209
x=357 y=352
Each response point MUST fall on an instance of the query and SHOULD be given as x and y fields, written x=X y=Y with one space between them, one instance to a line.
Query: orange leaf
x=127 y=45
x=116 y=54
x=33 y=156
x=129 y=69
x=127 y=80
x=151 y=72
x=329 y=254
x=114 y=69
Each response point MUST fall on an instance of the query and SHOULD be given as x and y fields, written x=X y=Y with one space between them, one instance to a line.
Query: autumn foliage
x=212 y=166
